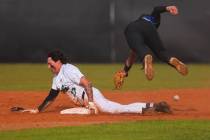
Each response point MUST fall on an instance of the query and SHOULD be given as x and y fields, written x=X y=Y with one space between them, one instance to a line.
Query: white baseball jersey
x=68 y=80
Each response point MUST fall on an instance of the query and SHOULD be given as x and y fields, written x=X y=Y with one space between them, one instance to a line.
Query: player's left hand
x=119 y=77
x=33 y=111
x=92 y=107
x=172 y=9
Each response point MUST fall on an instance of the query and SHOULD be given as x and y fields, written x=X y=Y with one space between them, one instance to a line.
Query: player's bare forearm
x=89 y=91
x=88 y=88
x=91 y=105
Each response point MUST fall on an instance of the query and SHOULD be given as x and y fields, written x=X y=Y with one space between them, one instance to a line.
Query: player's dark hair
x=58 y=55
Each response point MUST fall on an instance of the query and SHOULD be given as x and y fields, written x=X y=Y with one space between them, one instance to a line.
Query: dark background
x=84 y=30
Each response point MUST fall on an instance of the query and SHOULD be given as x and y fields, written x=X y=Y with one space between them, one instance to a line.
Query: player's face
x=54 y=66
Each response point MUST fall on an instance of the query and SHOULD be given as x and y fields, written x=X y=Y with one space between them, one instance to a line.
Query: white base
x=76 y=110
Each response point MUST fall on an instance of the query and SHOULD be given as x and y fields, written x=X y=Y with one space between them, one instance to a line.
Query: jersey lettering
x=73 y=91
x=64 y=88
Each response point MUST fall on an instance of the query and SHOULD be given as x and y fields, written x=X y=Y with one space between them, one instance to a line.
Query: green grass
x=24 y=77
x=140 y=130
x=38 y=77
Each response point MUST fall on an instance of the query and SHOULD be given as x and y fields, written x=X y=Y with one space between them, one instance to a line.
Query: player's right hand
x=172 y=9
x=92 y=107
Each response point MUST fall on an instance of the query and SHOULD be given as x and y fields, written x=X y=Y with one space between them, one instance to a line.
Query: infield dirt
x=193 y=105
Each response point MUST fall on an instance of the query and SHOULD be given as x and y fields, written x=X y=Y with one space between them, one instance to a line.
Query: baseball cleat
x=180 y=67
x=162 y=107
x=148 y=67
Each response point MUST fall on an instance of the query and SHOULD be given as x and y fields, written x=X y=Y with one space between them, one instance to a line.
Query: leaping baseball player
x=143 y=38
x=68 y=79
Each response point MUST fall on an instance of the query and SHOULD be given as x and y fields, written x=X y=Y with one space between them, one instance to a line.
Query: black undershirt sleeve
x=158 y=10
x=51 y=97
x=156 y=13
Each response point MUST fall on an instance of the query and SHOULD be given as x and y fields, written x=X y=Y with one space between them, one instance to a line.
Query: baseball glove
x=119 y=79
x=17 y=109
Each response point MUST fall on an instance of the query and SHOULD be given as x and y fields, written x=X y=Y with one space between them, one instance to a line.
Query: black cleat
x=162 y=107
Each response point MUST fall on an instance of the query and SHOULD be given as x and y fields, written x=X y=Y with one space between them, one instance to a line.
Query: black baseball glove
x=17 y=109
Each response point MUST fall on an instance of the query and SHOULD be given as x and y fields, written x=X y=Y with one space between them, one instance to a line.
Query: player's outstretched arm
x=48 y=100
x=161 y=9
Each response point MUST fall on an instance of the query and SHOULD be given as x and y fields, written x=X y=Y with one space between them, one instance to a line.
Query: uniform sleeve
x=74 y=74
x=54 y=87
x=158 y=10
x=156 y=14
x=51 y=97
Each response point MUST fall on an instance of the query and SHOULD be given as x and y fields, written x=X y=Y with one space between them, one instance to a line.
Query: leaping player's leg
x=178 y=65
x=164 y=56
x=156 y=45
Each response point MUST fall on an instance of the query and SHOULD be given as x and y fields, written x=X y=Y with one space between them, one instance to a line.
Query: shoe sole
x=148 y=67
x=180 y=67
